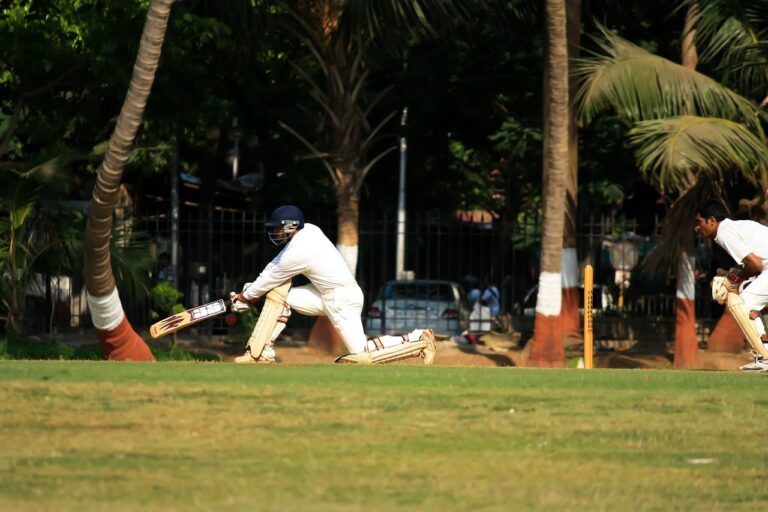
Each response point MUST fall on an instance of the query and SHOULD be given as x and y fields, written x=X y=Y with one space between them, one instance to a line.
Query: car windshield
x=419 y=291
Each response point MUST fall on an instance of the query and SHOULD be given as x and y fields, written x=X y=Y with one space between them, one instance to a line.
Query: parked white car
x=419 y=304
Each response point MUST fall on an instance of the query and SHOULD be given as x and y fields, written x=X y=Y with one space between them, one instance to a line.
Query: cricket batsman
x=747 y=243
x=332 y=291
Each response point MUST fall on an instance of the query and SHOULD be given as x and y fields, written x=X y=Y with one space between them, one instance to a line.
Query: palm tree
x=570 y=265
x=117 y=339
x=690 y=132
x=547 y=343
x=686 y=342
x=337 y=34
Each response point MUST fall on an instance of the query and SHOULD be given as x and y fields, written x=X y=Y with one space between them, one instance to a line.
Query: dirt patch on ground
x=493 y=353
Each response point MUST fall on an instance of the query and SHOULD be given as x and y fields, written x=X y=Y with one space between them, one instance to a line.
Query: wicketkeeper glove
x=719 y=290
x=732 y=280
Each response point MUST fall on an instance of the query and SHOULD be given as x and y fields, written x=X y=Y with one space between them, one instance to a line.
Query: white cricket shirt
x=310 y=253
x=741 y=237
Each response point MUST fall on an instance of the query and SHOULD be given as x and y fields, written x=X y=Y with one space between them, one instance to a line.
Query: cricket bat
x=186 y=318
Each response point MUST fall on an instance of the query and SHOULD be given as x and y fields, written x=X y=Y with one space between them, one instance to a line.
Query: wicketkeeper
x=333 y=292
x=744 y=288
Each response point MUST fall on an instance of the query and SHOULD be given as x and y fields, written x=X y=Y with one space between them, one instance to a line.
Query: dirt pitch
x=493 y=350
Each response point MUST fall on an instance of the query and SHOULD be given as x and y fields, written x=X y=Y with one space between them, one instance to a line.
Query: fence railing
x=221 y=251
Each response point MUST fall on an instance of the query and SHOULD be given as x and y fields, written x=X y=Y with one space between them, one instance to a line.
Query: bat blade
x=186 y=318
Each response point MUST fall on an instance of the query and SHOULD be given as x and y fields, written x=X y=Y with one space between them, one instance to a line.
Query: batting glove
x=239 y=303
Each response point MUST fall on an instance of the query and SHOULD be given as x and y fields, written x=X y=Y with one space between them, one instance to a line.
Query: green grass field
x=209 y=436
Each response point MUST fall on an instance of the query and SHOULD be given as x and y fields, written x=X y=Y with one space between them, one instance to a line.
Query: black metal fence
x=220 y=252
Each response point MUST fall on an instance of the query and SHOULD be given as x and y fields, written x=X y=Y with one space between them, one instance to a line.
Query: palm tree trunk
x=117 y=339
x=15 y=318
x=547 y=343
x=348 y=217
x=690 y=57
x=686 y=342
x=570 y=261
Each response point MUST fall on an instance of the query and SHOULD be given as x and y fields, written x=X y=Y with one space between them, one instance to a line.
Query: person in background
x=490 y=298
x=165 y=269
x=473 y=292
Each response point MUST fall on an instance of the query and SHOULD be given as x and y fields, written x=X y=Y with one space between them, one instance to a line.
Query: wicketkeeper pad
x=740 y=313
x=270 y=315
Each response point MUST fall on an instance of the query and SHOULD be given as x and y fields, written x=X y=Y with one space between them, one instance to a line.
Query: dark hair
x=712 y=208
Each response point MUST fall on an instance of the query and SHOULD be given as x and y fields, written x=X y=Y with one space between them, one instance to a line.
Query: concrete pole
x=400 y=260
x=175 y=212
x=236 y=134
x=400 y=246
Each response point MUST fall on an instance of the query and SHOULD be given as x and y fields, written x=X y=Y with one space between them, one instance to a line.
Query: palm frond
x=398 y=22
x=131 y=262
x=672 y=152
x=19 y=197
x=677 y=230
x=639 y=86
x=735 y=43
x=756 y=12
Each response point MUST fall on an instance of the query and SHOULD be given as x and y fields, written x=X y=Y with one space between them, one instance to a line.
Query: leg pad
x=270 y=315
x=744 y=320
x=424 y=347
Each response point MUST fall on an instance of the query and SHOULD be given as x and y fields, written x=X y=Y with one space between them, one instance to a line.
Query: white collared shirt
x=308 y=252
x=741 y=237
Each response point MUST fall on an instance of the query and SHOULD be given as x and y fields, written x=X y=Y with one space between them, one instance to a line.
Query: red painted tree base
x=547 y=343
x=569 y=315
x=726 y=336
x=123 y=344
x=686 y=342
x=323 y=336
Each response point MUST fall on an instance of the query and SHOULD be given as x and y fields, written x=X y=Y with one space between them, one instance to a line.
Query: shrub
x=174 y=353
x=165 y=300
x=14 y=347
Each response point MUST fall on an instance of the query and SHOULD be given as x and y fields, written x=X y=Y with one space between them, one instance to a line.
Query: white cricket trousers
x=756 y=298
x=343 y=306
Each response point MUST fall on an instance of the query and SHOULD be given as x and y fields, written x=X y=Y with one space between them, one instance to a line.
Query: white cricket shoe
x=264 y=358
x=760 y=364
x=430 y=351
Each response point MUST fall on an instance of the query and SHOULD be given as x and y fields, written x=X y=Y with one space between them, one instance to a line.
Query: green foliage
x=174 y=353
x=670 y=151
x=606 y=161
x=731 y=36
x=131 y=259
x=87 y=353
x=16 y=347
x=241 y=331
x=688 y=127
x=519 y=147
x=528 y=226
x=605 y=192
x=474 y=169
x=515 y=140
x=31 y=240
x=609 y=82
x=165 y=300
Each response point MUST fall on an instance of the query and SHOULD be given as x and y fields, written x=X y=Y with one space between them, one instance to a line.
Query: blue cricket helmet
x=290 y=218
